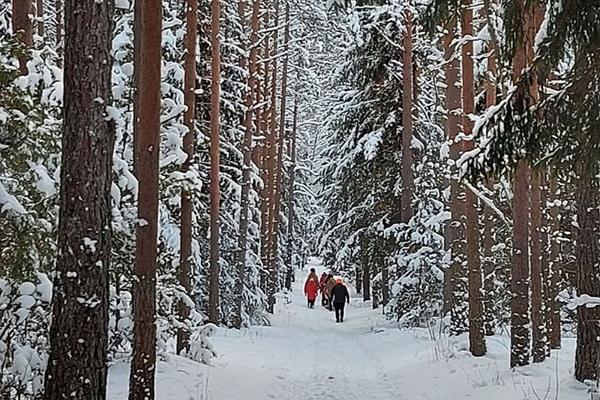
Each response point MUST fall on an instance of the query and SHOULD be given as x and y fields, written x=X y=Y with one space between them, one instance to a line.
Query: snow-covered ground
x=305 y=355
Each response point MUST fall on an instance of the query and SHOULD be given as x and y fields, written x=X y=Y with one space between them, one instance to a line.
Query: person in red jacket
x=311 y=289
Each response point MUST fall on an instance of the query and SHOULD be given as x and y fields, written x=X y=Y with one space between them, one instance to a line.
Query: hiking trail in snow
x=305 y=355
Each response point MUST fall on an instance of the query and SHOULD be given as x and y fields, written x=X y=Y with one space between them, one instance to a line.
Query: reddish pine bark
x=476 y=334
x=488 y=240
x=455 y=230
x=215 y=194
x=271 y=161
x=520 y=321
x=554 y=324
x=291 y=214
x=22 y=11
x=587 y=354
x=147 y=60
x=279 y=171
x=77 y=364
x=247 y=152
x=189 y=120
x=39 y=9
x=406 y=212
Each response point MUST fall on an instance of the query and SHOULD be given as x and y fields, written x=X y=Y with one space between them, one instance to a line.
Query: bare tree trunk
x=407 y=121
x=538 y=323
x=554 y=323
x=58 y=6
x=454 y=230
x=263 y=152
x=271 y=148
x=366 y=272
x=291 y=214
x=279 y=170
x=22 y=12
x=247 y=168
x=520 y=271
x=77 y=366
x=476 y=334
x=488 y=239
x=215 y=163
x=147 y=44
x=189 y=120
x=587 y=355
x=39 y=9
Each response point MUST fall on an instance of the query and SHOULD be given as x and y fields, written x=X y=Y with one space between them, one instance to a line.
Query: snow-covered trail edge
x=305 y=355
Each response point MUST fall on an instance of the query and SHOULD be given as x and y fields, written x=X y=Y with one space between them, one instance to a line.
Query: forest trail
x=307 y=356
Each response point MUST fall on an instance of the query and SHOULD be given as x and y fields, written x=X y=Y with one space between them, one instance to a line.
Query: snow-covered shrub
x=24 y=322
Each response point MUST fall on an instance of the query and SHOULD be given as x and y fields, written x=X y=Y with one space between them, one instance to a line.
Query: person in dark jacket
x=339 y=297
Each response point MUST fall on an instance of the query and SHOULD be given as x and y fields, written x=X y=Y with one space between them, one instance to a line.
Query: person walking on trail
x=328 y=286
x=339 y=297
x=311 y=288
x=324 y=295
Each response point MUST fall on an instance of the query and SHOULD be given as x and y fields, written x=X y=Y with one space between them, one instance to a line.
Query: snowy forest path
x=307 y=356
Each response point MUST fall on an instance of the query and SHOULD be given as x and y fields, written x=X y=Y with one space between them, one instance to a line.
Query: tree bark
x=366 y=273
x=554 y=323
x=77 y=364
x=476 y=333
x=291 y=211
x=407 y=121
x=147 y=60
x=58 y=6
x=455 y=228
x=488 y=239
x=247 y=168
x=263 y=153
x=279 y=170
x=39 y=9
x=271 y=150
x=22 y=12
x=215 y=194
x=189 y=120
x=538 y=323
x=540 y=346
x=587 y=354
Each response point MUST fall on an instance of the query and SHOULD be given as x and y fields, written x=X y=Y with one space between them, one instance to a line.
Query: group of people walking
x=334 y=294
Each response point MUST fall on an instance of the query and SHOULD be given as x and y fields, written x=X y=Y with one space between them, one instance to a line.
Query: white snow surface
x=305 y=355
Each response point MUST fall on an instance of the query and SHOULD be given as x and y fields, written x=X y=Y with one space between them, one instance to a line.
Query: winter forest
x=171 y=170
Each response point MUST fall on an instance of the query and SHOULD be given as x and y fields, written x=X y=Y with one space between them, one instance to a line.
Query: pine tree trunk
x=476 y=333
x=489 y=231
x=366 y=273
x=540 y=346
x=189 y=120
x=538 y=323
x=279 y=170
x=271 y=149
x=147 y=44
x=291 y=214
x=587 y=354
x=407 y=121
x=77 y=364
x=263 y=151
x=554 y=323
x=22 y=11
x=247 y=168
x=453 y=295
x=39 y=9
x=385 y=292
x=215 y=163
x=58 y=6
x=520 y=269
